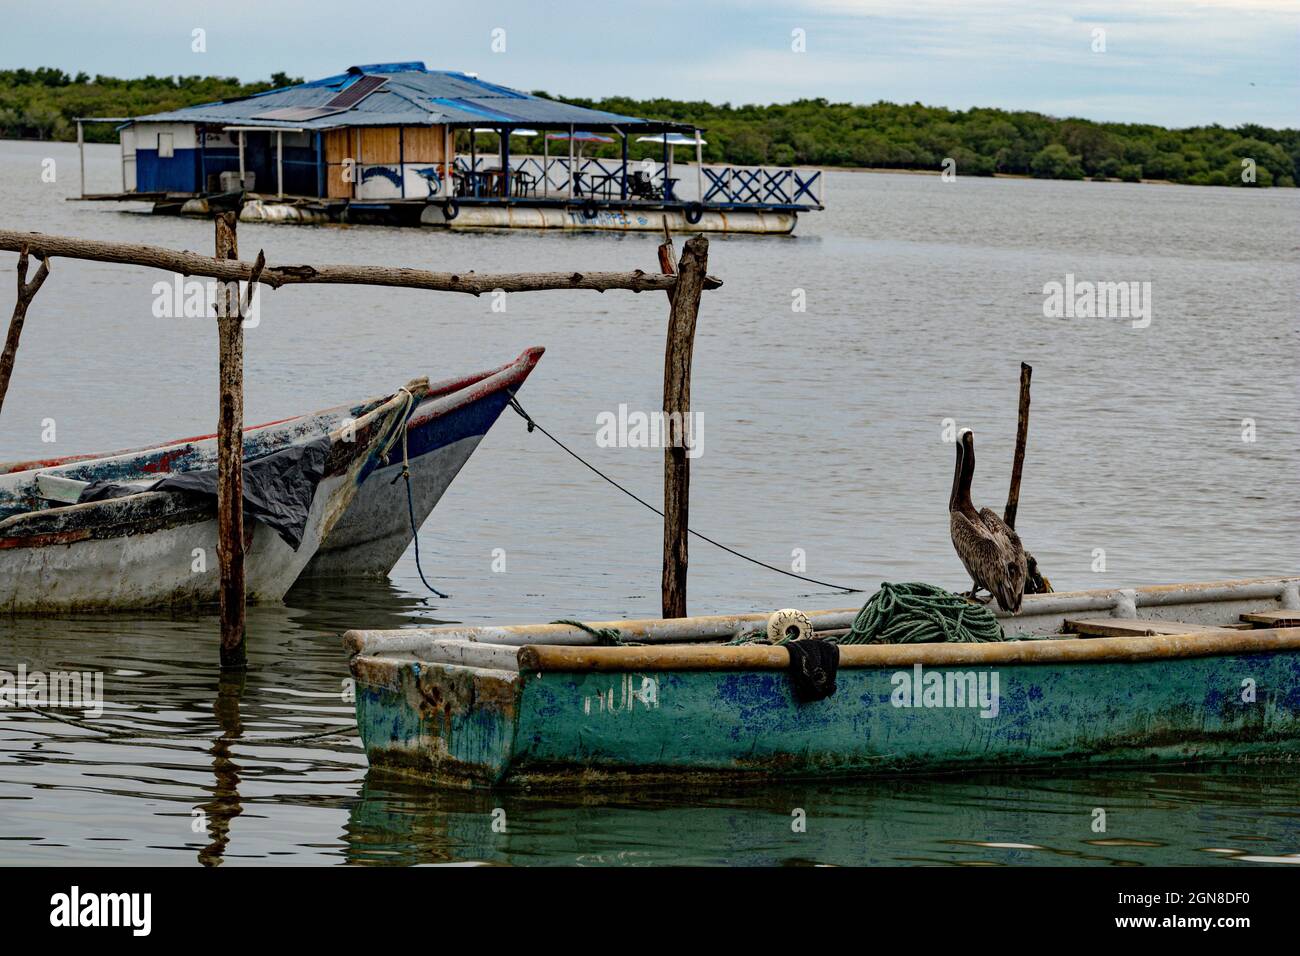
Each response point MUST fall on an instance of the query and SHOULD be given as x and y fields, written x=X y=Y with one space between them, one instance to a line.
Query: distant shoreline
x=939 y=172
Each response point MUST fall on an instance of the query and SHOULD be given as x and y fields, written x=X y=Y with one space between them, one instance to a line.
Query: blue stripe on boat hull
x=376 y=531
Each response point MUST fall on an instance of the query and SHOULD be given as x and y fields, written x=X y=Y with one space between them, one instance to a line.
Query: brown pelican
x=991 y=552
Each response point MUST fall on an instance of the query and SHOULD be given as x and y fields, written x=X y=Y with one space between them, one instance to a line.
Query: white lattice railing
x=602 y=178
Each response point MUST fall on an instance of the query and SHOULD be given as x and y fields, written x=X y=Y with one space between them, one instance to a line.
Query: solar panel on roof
x=357 y=92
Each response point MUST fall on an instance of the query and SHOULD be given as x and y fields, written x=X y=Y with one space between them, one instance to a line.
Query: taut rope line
x=514 y=403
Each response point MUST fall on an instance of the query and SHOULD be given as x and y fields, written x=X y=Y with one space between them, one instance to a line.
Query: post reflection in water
x=224 y=806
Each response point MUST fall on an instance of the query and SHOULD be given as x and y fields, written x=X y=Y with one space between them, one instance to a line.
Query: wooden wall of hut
x=379 y=146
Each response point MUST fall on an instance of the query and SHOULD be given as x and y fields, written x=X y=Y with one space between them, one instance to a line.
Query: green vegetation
x=981 y=141
x=40 y=104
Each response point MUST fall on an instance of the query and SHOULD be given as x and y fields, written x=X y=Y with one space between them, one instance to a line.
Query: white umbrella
x=673 y=139
x=581 y=136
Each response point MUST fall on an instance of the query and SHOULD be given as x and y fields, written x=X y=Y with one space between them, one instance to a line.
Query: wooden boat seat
x=56 y=488
x=1282 y=617
x=1129 y=627
x=67 y=491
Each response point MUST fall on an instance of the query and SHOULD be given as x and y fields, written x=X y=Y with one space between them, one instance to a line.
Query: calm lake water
x=822 y=431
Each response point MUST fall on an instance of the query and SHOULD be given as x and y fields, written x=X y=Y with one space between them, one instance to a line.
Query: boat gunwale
x=561 y=658
x=440 y=399
x=543 y=658
x=118 y=515
x=1117 y=601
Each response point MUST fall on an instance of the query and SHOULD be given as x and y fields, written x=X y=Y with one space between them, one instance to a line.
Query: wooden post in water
x=81 y=153
x=1035 y=581
x=230 y=453
x=1022 y=436
x=685 y=309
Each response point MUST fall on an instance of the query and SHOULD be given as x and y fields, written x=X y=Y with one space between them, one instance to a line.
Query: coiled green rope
x=921 y=613
x=913 y=614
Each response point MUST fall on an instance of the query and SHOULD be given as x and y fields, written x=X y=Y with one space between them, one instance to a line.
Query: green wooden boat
x=1187 y=673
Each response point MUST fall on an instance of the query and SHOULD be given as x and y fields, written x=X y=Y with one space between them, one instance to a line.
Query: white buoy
x=788 y=623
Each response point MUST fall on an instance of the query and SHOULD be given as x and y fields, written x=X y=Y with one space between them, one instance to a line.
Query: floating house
x=400 y=143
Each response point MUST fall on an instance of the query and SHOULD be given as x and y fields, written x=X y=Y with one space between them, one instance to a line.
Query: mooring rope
x=124 y=734
x=514 y=403
x=605 y=636
x=410 y=501
x=406 y=412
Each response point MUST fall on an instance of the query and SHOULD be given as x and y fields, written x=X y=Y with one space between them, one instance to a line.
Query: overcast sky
x=1170 y=62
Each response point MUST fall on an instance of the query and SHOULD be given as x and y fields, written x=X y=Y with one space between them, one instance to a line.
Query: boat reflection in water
x=1171 y=817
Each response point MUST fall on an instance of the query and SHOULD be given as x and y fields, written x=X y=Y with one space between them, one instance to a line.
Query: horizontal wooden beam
x=1129 y=627
x=715 y=657
x=231 y=270
x=1286 y=617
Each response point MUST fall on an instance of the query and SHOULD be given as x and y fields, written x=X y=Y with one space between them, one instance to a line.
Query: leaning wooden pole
x=667 y=259
x=684 y=311
x=230 y=454
x=1035 y=581
x=1022 y=436
x=26 y=292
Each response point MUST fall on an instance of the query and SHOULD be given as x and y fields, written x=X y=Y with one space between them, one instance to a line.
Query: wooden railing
x=537 y=177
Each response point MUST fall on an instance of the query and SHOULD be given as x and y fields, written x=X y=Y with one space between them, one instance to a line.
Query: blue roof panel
x=409 y=66
x=412 y=96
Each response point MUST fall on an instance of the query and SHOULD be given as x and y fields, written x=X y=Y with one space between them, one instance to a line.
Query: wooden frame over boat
x=501 y=707
x=686 y=279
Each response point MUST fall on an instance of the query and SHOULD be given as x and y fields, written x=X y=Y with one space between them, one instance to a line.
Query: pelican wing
x=999 y=527
x=1014 y=569
x=978 y=549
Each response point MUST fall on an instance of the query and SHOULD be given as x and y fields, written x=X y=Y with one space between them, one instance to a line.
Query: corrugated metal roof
x=411 y=96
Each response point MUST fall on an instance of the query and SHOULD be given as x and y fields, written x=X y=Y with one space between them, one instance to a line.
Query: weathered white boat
x=440 y=437
x=375 y=530
x=149 y=548
x=1187 y=673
